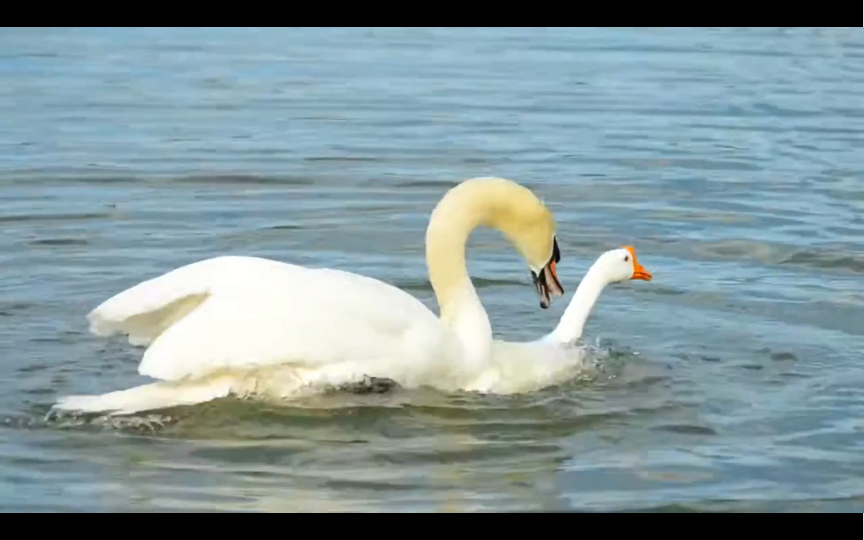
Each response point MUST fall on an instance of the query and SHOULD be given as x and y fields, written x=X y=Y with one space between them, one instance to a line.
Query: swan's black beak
x=547 y=282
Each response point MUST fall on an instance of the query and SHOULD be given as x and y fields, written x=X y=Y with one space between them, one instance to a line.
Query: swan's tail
x=147 y=397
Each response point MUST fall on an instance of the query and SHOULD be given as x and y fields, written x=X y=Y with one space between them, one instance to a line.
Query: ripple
x=58 y=242
x=827 y=259
x=246 y=180
x=823 y=258
x=53 y=217
x=686 y=429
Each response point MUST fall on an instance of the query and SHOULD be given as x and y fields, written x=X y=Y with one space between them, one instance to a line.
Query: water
x=730 y=158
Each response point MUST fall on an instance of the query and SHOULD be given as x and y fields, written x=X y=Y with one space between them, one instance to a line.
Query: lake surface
x=731 y=158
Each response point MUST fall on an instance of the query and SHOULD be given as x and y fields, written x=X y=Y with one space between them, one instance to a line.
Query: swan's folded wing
x=144 y=311
x=302 y=317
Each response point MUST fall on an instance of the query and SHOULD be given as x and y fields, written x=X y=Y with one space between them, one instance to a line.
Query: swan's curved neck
x=573 y=320
x=451 y=223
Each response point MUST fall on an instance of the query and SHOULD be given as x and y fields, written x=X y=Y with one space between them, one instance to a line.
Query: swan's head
x=529 y=224
x=546 y=277
x=501 y=204
x=621 y=265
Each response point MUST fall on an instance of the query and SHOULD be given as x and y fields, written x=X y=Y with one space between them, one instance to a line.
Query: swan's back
x=245 y=312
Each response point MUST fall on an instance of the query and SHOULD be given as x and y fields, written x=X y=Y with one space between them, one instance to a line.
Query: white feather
x=247 y=325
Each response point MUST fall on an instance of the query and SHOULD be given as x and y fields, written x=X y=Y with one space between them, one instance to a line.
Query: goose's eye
x=627 y=258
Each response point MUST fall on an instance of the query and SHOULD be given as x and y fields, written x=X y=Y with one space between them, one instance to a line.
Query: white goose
x=518 y=367
x=249 y=326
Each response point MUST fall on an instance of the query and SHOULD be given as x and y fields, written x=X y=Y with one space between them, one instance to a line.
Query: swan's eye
x=626 y=258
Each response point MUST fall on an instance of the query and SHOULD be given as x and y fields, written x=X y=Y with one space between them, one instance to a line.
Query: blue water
x=731 y=158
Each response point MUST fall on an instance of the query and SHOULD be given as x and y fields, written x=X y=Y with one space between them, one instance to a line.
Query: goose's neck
x=572 y=323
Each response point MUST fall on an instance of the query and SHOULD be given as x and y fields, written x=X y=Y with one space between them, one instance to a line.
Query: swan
x=518 y=367
x=248 y=326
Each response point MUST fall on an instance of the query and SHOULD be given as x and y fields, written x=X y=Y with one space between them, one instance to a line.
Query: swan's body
x=525 y=366
x=246 y=325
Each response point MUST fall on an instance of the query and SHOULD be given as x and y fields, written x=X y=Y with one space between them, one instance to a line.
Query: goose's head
x=621 y=265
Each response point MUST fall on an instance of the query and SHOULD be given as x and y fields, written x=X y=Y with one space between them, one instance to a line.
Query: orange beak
x=639 y=271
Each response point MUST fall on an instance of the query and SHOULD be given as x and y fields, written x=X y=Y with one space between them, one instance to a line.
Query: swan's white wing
x=144 y=311
x=244 y=312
